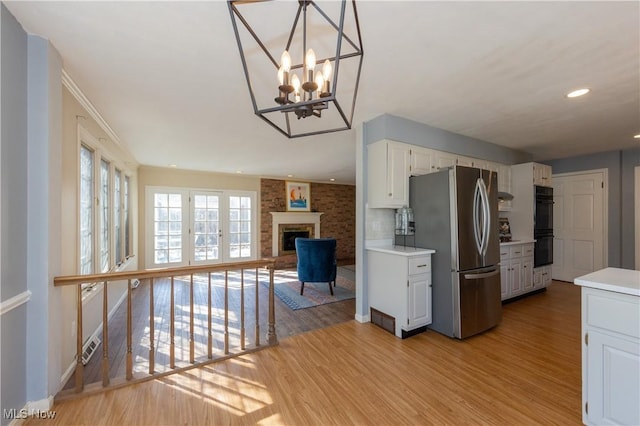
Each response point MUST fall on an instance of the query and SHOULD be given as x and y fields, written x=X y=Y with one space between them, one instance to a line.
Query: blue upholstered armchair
x=316 y=261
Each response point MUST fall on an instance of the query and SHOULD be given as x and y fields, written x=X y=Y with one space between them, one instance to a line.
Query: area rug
x=287 y=288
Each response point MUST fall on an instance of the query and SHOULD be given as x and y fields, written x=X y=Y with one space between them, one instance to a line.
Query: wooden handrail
x=152 y=275
x=161 y=272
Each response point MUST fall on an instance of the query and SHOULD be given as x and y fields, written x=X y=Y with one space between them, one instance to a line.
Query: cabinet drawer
x=504 y=254
x=527 y=249
x=515 y=251
x=419 y=265
x=612 y=311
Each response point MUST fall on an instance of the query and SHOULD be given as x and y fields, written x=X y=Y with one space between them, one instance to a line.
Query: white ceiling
x=168 y=79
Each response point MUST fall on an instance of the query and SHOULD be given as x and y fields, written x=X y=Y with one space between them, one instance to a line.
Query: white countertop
x=401 y=250
x=625 y=281
x=514 y=242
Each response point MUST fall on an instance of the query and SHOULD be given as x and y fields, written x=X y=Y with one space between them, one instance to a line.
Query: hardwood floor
x=525 y=371
x=288 y=322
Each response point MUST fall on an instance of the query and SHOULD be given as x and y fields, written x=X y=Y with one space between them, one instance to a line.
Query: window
x=186 y=227
x=104 y=209
x=117 y=219
x=104 y=216
x=86 y=210
x=127 y=230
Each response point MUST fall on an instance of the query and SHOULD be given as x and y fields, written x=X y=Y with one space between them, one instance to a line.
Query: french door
x=191 y=227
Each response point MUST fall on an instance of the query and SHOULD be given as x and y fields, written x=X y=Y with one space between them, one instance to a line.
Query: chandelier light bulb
x=319 y=82
x=326 y=70
x=295 y=82
x=281 y=75
x=310 y=60
x=285 y=61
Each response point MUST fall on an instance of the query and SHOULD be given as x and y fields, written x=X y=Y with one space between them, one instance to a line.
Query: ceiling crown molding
x=71 y=85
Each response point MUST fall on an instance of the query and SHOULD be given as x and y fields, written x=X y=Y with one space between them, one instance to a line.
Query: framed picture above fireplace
x=298 y=196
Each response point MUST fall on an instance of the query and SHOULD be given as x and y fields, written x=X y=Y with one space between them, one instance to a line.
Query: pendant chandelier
x=297 y=77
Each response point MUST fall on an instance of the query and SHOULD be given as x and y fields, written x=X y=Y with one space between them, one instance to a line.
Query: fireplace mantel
x=282 y=218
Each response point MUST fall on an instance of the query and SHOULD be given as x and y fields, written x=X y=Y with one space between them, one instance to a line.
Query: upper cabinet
x=422 y=161
x=391 y=163
x=388 y=174
x=542 y=174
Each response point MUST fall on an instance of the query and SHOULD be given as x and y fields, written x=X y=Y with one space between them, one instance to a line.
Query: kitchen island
x=610 y=346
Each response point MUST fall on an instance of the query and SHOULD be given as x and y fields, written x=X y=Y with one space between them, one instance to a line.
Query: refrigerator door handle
x=486 y=217
x=477 y=204
x=481 y=275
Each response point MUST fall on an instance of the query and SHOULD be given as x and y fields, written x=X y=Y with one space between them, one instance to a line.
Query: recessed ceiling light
x=239 y=172
x=332 y=180
x=637 y=136
x=289 y=175
x=173 y=166
x=578 y=92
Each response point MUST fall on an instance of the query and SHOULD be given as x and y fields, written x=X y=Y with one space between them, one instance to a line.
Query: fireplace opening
x=288 y=235
x=289 y=239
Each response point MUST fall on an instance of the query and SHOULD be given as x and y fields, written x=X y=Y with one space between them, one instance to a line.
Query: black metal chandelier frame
x=309 y=107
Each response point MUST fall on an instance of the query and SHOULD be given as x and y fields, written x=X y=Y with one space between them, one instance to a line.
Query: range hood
x=504 y=196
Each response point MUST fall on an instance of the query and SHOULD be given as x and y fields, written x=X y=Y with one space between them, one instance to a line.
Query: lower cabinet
x=399 y=286
x=516 y=270
x=541 y=277
x=610 y=358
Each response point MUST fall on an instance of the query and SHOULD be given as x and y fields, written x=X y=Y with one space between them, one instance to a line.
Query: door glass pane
x=205 y=227
x=239 y=227
x=167 y=239
x=127 y=244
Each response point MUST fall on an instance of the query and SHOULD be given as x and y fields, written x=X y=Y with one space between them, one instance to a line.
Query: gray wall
x=404 y=130
x=620 y=166
x=13 y=48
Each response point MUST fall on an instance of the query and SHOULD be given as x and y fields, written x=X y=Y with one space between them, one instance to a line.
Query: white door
x=579 y=224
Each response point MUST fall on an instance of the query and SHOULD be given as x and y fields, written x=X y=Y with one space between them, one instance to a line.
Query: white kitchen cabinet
x=422 y=161
x=504 y=185
x=542 y=175
x=516 y=269
x=610 y=347
x=400 y=286
x=541 y=277
x=388 y=174
x=444 y=159
x=467 y=161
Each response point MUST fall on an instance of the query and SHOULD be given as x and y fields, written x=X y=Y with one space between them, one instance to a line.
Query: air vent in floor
x=89 y=348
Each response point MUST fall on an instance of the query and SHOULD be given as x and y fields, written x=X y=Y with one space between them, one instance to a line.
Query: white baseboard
x=363 y=318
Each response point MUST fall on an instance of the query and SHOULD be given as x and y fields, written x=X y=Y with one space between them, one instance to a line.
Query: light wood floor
x=525 y=371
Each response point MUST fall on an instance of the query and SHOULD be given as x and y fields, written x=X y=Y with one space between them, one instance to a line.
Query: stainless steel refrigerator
x=456 y=213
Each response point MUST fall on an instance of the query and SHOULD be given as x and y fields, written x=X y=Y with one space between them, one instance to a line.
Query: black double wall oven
x=543 y=226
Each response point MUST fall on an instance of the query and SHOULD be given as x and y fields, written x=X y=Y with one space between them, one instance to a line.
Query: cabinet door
x=515 y=277
x=546 y=276
x=422 y=161
x=613 y=368
x=444 y=159
x=398 y=174
x=504 y=178
x=465 y=161
x=418 y=299
x=504 y=280
x=527 y=274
